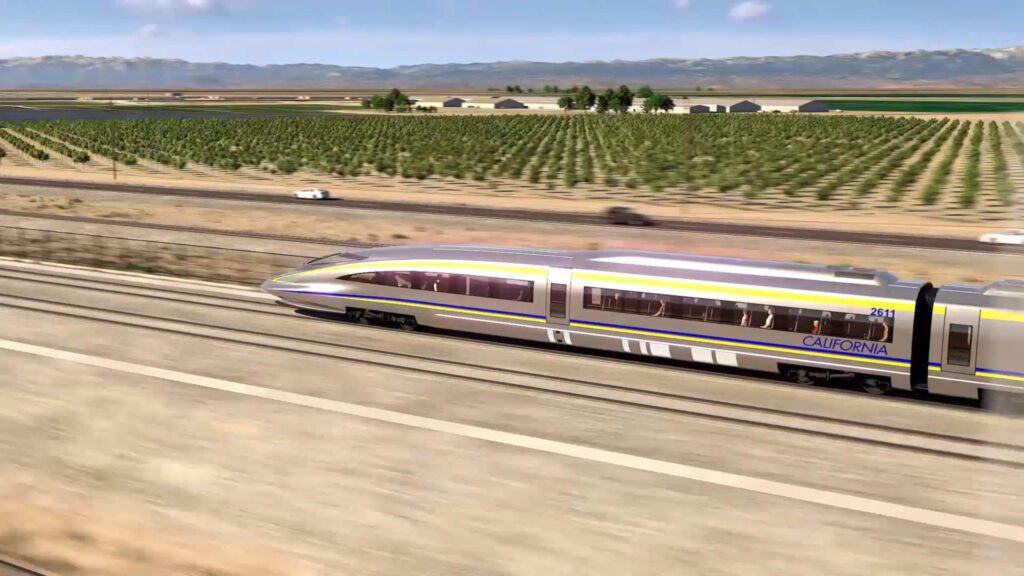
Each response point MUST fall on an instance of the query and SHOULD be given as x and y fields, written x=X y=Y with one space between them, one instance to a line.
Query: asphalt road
x=901 y=240
x=165 y=426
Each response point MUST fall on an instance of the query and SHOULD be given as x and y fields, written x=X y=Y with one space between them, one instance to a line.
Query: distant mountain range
x=936 y=68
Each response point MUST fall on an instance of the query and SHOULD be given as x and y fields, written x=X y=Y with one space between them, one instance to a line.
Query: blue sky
x=395 y=32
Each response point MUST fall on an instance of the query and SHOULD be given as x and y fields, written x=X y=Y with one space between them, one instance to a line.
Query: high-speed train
x=808 y=323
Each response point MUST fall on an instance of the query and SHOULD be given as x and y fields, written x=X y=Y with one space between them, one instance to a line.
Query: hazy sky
x=392 y=32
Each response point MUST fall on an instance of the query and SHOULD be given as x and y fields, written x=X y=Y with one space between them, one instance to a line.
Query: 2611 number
x=883 y=312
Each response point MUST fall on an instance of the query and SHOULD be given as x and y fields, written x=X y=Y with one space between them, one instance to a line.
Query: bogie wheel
x=406 y=323
x=357 y=316
x=875 y=386
x=799 y=376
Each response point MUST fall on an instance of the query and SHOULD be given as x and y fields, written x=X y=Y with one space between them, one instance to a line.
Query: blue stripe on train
x=742 y=341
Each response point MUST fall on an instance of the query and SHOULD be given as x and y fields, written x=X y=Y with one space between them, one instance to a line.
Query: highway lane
x=355 y=494
x=867 y=238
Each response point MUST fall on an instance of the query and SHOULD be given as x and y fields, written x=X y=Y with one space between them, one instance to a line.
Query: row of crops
x=796 y=155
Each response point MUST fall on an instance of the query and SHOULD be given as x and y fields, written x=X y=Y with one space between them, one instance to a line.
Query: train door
x=960 y=339
x=559 y=281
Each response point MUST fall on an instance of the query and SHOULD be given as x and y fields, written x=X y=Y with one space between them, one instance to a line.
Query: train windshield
x=339 y=257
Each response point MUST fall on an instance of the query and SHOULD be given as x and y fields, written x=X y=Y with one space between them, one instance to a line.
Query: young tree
x=529 y=90
x=509 y=89
x=566 y=102
x=623 y=100
x=585 y=98
x=602 y=104
x=644 y=92
x=395 y=99
x=518 y=89
x=656 y=102
x=666 y=103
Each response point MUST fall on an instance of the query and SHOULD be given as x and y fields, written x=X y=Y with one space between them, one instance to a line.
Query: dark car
x=623 y=215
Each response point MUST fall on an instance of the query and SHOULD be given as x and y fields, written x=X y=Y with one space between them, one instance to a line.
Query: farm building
x=814 y=106
x=453 y=103
x=745 y=106
x=541 y=103
x=508 y=103
x=706 y=108
x=780 y=108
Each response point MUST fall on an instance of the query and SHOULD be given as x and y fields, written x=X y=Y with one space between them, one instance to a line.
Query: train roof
x=652 y=263
x=999 y=294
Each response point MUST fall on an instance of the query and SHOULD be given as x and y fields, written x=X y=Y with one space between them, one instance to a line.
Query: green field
x=780 y=157
x=939 y=107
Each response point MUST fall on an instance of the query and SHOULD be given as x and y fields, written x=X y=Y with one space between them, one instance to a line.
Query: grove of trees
x=809 y=156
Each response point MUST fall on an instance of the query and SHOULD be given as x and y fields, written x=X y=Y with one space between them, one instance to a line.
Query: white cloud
x=182 y=6
x=148 y=31
x=749 y=10
x=683 y=3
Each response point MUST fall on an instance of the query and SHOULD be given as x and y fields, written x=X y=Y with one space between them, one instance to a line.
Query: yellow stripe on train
x=693 y=285
x=741 y=344
x=1000 y=376
x=421 y=265
x=1002 y=315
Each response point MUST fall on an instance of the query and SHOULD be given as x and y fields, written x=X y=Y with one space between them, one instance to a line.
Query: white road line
x=791 y=491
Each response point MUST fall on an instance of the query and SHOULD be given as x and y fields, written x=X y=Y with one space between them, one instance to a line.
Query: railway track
x=576 y=218
x=287 y=338
x=11 y=567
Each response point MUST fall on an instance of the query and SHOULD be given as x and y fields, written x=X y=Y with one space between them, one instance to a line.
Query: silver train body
x=809 y=323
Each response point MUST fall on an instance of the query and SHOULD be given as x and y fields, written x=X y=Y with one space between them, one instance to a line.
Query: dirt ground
x=316 y=221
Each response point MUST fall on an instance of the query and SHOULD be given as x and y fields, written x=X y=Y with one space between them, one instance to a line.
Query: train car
x=976 y=342
x=808 y=323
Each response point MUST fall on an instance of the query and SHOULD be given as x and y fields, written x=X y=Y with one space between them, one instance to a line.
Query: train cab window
x=958 y=350
x=363 y=278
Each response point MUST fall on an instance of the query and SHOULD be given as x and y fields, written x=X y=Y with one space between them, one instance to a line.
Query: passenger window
x=613 y=302
x=437 y=282
x=559 y=300
x=457 y=284
x=676 y=307
x=480 y=287
x=958 y=351
x=631 y=303
x=516 y=290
